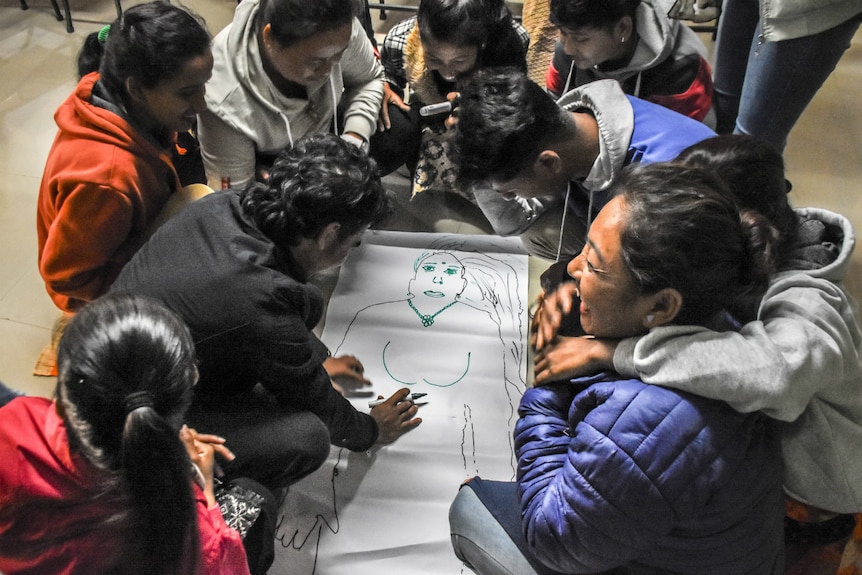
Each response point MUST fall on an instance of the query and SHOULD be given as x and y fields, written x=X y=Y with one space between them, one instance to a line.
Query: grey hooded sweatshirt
x=247 y=115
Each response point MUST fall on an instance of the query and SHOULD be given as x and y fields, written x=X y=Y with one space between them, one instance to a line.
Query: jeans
x=7 y=394
x=479 y=539
x=762 y=88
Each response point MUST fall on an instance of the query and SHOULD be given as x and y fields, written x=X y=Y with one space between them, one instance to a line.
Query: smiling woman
x=431 y=53
x=109 y=172
x=671 y=247
x=286 y=69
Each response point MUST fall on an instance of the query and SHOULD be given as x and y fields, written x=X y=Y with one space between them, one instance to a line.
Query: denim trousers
x=480 y=539
x=7 y=394
x=762 y=88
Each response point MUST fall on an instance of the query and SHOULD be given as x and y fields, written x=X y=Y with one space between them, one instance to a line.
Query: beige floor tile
x=21 y=346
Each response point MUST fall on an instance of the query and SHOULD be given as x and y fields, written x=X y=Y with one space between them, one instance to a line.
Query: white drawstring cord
x=334 y=105
x=289 y=132
x=569 y=77
x=563 y=220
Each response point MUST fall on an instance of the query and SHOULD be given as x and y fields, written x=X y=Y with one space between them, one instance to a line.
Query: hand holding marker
x=411 y=398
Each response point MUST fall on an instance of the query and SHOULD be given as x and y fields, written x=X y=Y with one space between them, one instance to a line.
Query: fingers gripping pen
x=411 y=398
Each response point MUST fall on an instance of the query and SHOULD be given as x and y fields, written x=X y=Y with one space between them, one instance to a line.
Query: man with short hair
x=515 y=143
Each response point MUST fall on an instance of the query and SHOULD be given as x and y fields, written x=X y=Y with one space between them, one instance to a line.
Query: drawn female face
x=439 y=276
x=310 y=60
x=610 y=305
x=451 y=61
x=590 y=47
x=174 y=103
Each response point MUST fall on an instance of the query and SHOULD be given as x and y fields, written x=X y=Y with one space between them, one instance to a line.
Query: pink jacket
x=66 y=530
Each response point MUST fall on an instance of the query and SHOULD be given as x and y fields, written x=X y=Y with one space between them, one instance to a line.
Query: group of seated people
x=697 y=369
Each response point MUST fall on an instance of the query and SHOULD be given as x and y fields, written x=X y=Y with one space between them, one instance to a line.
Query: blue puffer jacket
x=615 y=473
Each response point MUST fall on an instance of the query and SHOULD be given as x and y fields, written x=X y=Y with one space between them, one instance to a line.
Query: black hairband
x=138 y=399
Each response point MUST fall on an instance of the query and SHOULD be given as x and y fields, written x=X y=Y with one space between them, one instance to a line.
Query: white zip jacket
x=247 y=115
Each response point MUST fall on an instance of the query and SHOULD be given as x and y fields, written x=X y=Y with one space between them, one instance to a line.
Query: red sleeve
x=696 y=101
x=222 y=552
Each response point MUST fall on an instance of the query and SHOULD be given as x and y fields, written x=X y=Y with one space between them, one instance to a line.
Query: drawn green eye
x=452 y=271
x=428 y=267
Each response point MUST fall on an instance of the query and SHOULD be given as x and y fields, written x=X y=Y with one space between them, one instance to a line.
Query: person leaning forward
x=235 y=266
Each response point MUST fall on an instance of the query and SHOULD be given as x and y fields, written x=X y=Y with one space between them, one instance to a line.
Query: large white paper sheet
x=386 y=511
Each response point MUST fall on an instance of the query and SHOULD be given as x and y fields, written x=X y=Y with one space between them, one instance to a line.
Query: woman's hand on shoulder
x=569 y=357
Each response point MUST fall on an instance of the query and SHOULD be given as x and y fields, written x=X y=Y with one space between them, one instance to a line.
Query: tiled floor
x=37 y=69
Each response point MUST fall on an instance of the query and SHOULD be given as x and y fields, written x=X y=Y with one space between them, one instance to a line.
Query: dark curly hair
x=320 y=180
x=683 y=230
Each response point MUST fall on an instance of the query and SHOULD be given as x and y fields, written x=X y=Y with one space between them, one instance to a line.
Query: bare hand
x=452 y=119
x=218 y=445
x=550 y=312
x=389 y=95
x=202 y=449
x=569 y=357
x=395 y=417
x=347 y=374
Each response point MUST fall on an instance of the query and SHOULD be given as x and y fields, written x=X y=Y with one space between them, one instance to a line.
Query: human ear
x=133 y=89
x=665 y=306
x=266 y=36
x=624 y=29
x=547 y=162
x=328 y=237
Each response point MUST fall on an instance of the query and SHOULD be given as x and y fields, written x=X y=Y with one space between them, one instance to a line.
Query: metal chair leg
x=57 y=14
x=69 y=27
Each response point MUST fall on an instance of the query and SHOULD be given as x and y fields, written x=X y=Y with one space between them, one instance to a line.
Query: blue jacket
x=632 y=131
x=619 y=473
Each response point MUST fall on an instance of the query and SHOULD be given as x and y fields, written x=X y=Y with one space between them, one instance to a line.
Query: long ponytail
x=126 y=370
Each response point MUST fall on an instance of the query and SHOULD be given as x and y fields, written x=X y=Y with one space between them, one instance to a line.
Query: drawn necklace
x=428 y=320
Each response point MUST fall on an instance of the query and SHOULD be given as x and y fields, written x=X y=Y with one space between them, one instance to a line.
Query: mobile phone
x=435 y=109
